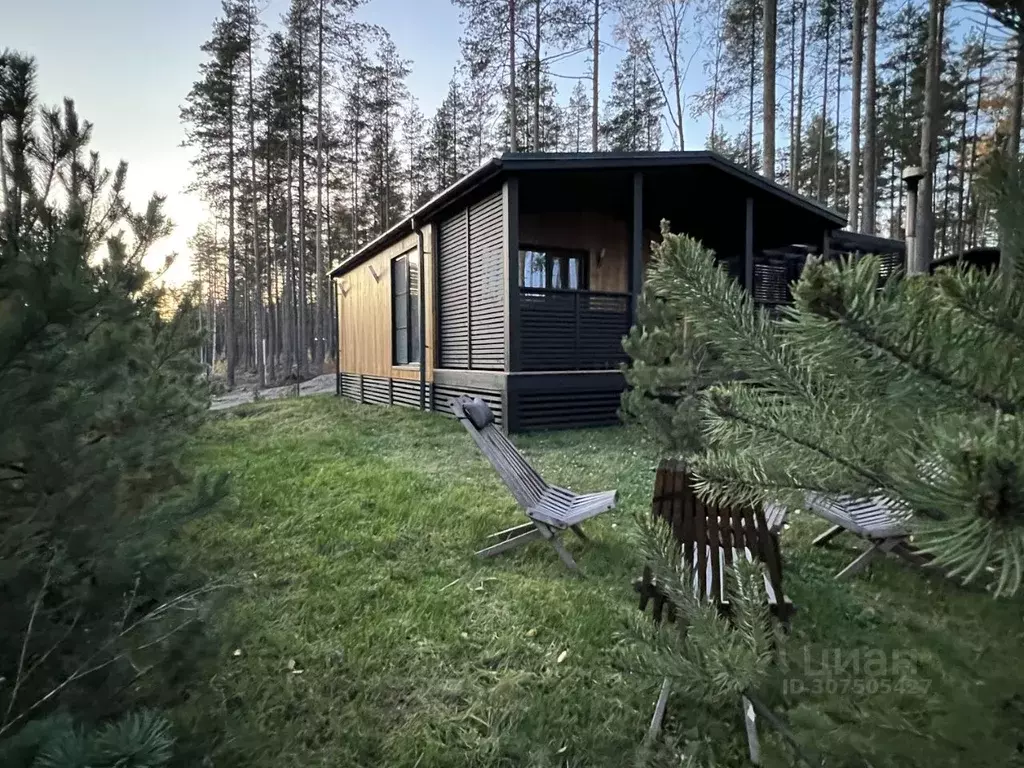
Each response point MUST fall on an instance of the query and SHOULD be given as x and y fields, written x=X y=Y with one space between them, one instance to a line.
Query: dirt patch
x=316 y=386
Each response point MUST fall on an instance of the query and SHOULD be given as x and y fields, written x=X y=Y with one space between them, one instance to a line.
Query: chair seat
x=561 y=508
x=870 y=518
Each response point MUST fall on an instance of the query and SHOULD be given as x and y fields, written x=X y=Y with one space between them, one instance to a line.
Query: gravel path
x=315 y=386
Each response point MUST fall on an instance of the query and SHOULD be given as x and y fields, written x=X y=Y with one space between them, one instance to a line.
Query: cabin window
x=557 y=268
x=405 y=309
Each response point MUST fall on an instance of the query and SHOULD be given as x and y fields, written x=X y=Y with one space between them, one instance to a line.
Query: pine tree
x=633 y=110
x=905 y=391
x=100 y=387
x=387 y=93
x=210 y=116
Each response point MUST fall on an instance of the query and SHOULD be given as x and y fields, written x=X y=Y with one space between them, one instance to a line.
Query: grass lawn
x=364 y=632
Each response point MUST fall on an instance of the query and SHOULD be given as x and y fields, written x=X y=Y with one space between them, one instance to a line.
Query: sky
x=129 y=64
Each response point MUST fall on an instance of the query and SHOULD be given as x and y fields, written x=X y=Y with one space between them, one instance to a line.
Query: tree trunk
x=261 y=350
x=1013 y=140
x=536 y=76
x=929 y=129
x=855 y=87
x=972 y=207
x=513 y=142
x=299 y=286
x=594 y=109
x=839 y=101
x=962 y=170
x=231 y=343
x=321 y=294
x=290 y=319
x=797 y=154
x=867 y=218
x=269 y=334
x=824 y=112
x=768 y=140
x=750 y=100
x=792 y=95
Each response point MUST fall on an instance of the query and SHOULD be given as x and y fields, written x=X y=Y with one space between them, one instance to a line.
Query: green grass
x=364 y=632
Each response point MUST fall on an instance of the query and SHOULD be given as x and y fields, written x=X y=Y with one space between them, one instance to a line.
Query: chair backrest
x=712 y=530
x=521 y=479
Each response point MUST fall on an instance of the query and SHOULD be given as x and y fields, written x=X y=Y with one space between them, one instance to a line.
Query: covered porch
x=582 y=237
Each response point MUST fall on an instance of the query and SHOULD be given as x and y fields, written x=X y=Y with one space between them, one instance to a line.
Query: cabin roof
x=533 y=163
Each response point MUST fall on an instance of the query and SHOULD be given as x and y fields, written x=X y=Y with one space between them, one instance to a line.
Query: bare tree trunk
x=824 y=112
x=972 y=207
x=594 y=108
x=290 y=320
x=1013 y=140
x=929 y=126
x=839 y=101
x=301 y=331
x=321 y=294
x=870 y=138
x=261 y=348
x=962 y=172
x=270 y=334
x=750 y=100
x=513 y=142
x=768 y=140
x=231 y=345
x=792 y=95
x=536 y=76
x=855 y=85
x=797 y=155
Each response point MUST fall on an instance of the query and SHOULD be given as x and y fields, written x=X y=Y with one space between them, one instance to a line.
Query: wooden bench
x=711 y=538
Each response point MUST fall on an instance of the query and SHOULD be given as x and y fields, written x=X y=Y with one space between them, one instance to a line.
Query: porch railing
x=572 y=330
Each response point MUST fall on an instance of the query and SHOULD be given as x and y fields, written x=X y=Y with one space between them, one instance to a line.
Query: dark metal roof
x=851 y=242
x=512 y=162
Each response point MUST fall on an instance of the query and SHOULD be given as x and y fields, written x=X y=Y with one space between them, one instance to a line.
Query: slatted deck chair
x=551 y=509
x=711 y=538
x=877 y=520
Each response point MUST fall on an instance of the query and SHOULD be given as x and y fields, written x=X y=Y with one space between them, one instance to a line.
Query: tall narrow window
x=405 y=309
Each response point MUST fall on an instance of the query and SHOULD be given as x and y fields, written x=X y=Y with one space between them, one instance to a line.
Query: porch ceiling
x=701 y=199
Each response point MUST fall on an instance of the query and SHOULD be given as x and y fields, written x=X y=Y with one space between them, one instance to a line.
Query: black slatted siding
x=405 y=392
x=568 y=410
x=350 y=385
x=564 y=400
x=486 y=302
x=453 y=290
x=377 y=389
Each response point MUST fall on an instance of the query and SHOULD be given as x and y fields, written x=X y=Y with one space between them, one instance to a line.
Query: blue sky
x=130 y=63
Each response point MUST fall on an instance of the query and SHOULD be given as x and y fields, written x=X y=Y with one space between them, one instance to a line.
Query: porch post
x=748 y=247
x=636 y=243
x=826 y=245
x=510 y=226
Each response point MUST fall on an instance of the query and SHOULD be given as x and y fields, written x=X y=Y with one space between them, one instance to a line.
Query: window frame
x=550 y=253
x=413 y=327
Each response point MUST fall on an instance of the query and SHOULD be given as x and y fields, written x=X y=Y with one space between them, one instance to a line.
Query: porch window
x=405 y=309
x=559 y=268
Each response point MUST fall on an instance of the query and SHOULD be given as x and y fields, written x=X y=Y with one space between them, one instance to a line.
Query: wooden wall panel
x=364 y=314
x=592 y=232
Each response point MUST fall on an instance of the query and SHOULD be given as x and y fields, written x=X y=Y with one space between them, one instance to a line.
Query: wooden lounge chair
x=551 y=510
x=876 y=520
x=711 y=538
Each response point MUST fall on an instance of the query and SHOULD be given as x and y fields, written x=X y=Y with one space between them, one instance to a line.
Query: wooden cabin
x=517 y=283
